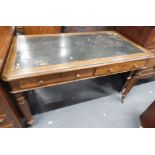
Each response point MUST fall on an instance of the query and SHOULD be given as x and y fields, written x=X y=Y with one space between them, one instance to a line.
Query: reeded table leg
x=24 y=107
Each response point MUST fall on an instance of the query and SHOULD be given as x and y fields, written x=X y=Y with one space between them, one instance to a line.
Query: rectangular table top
x=40 y=54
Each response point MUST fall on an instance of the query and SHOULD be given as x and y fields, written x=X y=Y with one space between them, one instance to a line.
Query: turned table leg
x=24 y=107
x=131 y=80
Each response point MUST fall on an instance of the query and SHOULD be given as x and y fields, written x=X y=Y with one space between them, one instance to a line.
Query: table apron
x=26 y=84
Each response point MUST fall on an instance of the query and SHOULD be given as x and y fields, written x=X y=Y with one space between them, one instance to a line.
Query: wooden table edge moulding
x=25 y=79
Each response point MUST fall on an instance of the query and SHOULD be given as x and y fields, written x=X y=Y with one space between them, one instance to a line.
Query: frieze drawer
x=117 y=68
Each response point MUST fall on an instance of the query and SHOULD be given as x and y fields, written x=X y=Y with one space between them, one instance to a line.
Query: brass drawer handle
x=110 y=71
x=41 y=82
x=135 y=67
x=78 y=75
x=2 y=120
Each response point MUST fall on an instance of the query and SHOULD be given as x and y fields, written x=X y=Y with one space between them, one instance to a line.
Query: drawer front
x=54 y=79
x=84 y=73
x=118 y=68
x=146 y=73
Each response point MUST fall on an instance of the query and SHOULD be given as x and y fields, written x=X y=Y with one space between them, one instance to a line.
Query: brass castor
x=29 y=123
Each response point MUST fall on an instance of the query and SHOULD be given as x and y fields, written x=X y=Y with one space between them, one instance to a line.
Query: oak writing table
x=37 y=61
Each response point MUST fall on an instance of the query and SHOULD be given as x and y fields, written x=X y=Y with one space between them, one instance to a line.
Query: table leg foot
x=29 y=123
x=123 y=97
x=120 y=92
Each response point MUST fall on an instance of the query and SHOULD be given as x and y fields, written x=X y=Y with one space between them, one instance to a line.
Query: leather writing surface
x=47 y=50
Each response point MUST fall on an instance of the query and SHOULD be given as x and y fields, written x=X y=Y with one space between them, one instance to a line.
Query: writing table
x=37 y=61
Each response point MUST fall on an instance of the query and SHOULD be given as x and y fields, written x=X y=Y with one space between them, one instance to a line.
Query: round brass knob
x=41 y=82
x=136 y=67
x=78 y=75
x=110 y=70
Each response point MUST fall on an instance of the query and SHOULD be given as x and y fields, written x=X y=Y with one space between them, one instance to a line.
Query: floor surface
x=93 y=103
